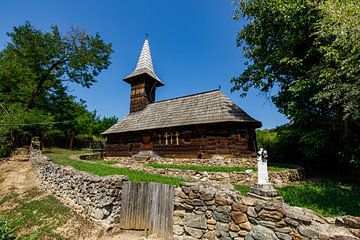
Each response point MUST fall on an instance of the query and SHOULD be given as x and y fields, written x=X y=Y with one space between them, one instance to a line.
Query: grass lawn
x=274 y=168
x=103 y=168
x=328 y=197
x=33 y=216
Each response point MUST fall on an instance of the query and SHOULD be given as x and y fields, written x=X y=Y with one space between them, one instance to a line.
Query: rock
x=245 y=225
x=195 y=202
x=251 y=212
x=186 y=190
x=280 y=224
x=268 y=224
x=237 y=206
x=98 y=214
x=248 y=237
x=260 y=233
x=234 y=227
x=356 y=232
x=258 y=207
x=179 y=213
x=270 y=215
x=222 y=217
x=239 y=217
x=224 y=234
x=233 y=235
x=283 y=236
x=178 y=230
x=179 y=193
x=211 y=235
x=211 y=221
x=220 y=200
x=194 y=232
x=207 y=196
x=186 y=206
x=341 y=237
x=209 y=214
x=223 y=209
x=248 y=201
x=283 y=230
x=211 y=227
x=353 y=222
x=291 y=222
x=222 y=227
x=307 y=232
x=178 y=220
x=195 y=221
x=295 y=213
x=243 y=233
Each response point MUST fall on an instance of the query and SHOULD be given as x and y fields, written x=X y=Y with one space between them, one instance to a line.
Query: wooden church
x=195 y=126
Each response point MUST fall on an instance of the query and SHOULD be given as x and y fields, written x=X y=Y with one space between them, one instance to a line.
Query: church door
x=146 y=142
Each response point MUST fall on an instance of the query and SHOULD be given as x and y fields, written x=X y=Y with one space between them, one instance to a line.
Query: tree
x=34 y=67
x=35 y=63
x=306 y=55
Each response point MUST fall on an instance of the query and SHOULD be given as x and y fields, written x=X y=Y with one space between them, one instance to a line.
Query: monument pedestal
x=264 y=192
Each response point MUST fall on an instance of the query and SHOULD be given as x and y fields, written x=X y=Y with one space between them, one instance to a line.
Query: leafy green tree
x=305 y=55
x=34 y=68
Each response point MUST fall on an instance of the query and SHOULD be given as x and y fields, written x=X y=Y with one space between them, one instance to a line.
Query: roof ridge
x=190 y=95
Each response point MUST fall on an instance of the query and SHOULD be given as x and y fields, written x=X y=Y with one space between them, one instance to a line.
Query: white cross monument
x=263 y=189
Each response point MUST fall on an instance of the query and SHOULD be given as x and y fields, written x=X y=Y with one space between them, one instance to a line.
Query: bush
x=6 y=232
x=5 y=150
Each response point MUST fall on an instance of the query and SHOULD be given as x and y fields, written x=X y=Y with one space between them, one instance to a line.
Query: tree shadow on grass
x=327 y=197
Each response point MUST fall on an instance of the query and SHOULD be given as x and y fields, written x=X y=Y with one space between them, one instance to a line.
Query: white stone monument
x=263 y=189
x=262 y=167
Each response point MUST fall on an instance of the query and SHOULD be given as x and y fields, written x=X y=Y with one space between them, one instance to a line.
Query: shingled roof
x=207 y=107
x=144 y=65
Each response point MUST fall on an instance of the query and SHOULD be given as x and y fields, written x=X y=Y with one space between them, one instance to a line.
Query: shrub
x=6 y=232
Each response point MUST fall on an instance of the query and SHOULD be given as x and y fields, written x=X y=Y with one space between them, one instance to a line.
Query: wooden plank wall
x=208 y=140
x=148 y=206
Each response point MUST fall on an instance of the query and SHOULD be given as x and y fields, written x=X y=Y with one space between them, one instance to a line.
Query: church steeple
x=143 y=80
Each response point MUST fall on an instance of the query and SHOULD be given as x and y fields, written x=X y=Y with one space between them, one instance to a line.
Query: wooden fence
x=148 y=206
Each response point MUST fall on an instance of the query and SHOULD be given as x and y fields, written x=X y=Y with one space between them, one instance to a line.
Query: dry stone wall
x=204 y=211
x=97 y=198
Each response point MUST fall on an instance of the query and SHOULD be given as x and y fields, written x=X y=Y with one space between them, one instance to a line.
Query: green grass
x=243 y=189
x=274 y=168
x=7 y=198
x=100 y=168
x=329 y=198
x=35 y=215
x=103 y=162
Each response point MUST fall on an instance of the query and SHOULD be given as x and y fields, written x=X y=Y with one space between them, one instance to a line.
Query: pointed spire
x=144 y=64
x=145 y=60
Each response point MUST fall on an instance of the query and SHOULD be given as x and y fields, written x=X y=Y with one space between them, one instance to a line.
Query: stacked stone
x=216 y=160
x=275 y=220
x=207 y=212
x=250 y=177
x=98 y=198
x=92 y=156
x=203 y=211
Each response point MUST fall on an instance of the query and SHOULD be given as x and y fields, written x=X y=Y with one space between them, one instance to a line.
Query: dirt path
x=17 y=176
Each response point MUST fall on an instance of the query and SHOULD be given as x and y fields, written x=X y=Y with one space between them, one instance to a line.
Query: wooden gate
x=148 y=206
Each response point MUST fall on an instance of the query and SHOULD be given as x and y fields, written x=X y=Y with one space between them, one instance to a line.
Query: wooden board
x=148 y=206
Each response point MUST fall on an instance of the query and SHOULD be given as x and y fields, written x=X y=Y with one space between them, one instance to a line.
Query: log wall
x=196 y=141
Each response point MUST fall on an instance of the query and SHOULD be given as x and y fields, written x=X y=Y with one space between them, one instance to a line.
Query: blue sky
x=193 y=46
